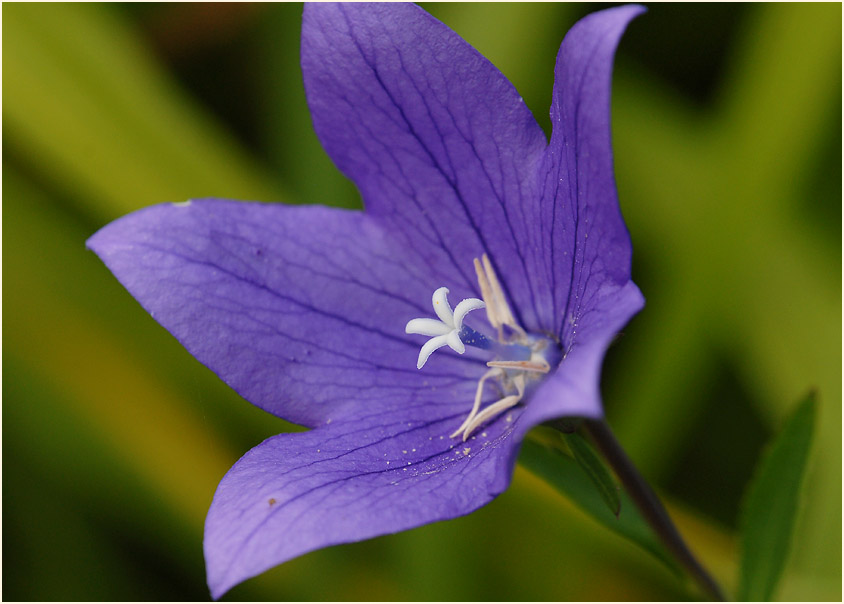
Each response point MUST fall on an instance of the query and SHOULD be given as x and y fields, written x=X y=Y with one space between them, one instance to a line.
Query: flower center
x=517 y=356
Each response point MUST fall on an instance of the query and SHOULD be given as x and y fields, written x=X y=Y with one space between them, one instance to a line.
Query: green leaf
x=569 y=478
x=771 y=504
x=596 y=470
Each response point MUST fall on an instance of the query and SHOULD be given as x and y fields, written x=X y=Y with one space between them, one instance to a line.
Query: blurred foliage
x=727 y=130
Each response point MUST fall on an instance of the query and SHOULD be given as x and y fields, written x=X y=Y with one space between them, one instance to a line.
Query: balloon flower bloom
x=340 y=320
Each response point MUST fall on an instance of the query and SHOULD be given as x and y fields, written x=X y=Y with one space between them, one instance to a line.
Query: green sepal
x=569 y=477
x=596 y=470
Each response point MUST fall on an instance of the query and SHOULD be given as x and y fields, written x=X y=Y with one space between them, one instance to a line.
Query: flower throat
x=517 y=356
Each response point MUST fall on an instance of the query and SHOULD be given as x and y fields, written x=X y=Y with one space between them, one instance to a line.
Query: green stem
x=649 y=504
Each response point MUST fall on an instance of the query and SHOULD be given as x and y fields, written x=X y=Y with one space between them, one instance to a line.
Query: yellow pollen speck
x=466 y=450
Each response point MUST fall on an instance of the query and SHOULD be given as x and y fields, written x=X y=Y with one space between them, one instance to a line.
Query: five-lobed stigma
x=517 y=356
x=446 y=331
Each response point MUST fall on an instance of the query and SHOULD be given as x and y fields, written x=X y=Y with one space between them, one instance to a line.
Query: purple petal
x=573 y=390
x=346 y=482
x=585 y=244
x=439 y=143
x=301 y=310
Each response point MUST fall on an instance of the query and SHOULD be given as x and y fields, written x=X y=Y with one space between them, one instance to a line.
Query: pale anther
x=540 y=366
x=497 y=310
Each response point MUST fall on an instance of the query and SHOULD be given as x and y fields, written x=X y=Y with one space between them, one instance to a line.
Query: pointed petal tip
x=617 y=16
x=332 y=485
x=95 y=241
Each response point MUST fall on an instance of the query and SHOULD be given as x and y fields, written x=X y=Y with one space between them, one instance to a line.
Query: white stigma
x=511 y=375
x=446 y=331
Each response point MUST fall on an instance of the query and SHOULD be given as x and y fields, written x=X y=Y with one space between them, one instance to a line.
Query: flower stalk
x=649 y=504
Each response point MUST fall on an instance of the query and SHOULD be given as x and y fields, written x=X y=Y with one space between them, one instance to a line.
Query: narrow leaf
x=771 y=503
x=569 y=478
x=596 y=470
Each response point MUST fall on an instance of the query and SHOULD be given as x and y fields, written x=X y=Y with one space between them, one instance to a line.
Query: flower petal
x=585 y=243
x=573 y=390
x=279 y=300
x=440 y=144
x=295 y=493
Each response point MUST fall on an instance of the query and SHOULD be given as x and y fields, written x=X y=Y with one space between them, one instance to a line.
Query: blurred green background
x=727 y=133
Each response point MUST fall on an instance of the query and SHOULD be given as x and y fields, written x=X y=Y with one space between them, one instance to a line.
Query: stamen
x=498 y=407
x=497 y=310
x=517 y=356
x=541 y=366
x=486 y=294
x=478 y=395
x=504 y=313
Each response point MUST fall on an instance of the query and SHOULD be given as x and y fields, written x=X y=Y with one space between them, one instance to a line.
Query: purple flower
x=314 y=314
